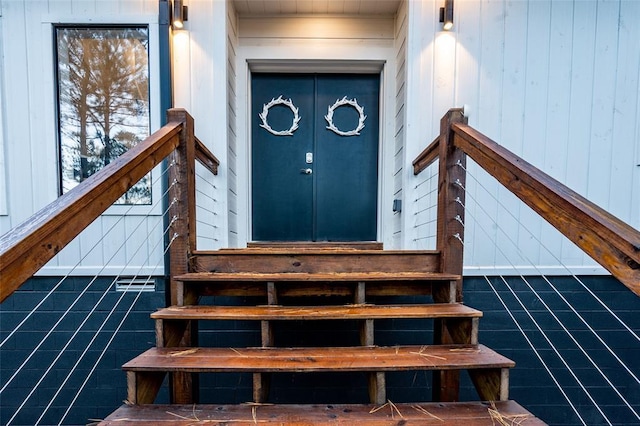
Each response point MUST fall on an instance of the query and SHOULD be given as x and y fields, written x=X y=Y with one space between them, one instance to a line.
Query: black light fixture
x=179 y=14
x=446 y=15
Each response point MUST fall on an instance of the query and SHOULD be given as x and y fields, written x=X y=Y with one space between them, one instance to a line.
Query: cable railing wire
x=206 y=180
x=551 y=312
x=70 y=340
x=106 y=291
x=434 y=173
x=67 y=311
x=535 y=351
x=115 y=332
x=573 y=339
x=204 y=194
x=544 y=334
x=562 y=297
x=559 y=262
x=74 y=267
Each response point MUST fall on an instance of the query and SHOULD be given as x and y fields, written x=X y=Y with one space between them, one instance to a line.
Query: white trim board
x=140 y=272
x=4 y=209
x=479 y=271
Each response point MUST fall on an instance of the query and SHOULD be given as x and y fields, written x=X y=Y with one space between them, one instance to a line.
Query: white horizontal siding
x=317 y=27
x=401 y=22
x=555 y=82
x=200 y=82
x=232 y=157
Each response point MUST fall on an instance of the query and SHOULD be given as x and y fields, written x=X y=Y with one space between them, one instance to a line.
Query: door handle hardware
x=306 y=171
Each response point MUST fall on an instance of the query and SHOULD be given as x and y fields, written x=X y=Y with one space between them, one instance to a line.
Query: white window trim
x=155 y=114
x=4 y=208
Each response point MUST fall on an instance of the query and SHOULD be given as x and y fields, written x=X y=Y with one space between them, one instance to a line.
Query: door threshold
x=355 y=245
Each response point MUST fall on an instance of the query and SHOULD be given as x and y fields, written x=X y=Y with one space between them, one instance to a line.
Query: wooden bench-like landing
x=488 y=369
x=445 y=414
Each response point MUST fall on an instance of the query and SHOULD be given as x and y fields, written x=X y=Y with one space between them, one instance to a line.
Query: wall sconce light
x=446 y=15
x=179 y=14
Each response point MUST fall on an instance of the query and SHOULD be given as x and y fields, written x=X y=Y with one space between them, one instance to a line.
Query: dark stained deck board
x=402 y=358
x=240 y=277
x=429 y=413
x=205 y=312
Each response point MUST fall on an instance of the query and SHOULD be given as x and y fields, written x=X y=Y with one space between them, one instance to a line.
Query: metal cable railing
x=563 y=324
x=63 y=339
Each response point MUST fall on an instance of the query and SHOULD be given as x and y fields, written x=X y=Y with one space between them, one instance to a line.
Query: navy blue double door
x=314 y=157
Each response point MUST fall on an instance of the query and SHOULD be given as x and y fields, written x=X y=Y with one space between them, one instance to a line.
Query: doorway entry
x=314 y=156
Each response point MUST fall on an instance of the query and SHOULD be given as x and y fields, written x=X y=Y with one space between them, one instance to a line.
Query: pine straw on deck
x=500 y=413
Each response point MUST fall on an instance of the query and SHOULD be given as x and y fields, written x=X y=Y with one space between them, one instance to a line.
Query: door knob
x=306 y=171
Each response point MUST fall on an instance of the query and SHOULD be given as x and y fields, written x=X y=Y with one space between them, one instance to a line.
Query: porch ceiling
x=306 y=7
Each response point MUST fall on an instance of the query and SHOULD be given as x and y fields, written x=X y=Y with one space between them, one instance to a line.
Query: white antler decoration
x=265 y=112
x=344 y=101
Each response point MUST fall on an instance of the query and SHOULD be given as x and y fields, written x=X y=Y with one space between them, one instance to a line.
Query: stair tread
x=207 y=312
x=315 y=277
x=451 y=413
x=328 y=250
x=369 y=358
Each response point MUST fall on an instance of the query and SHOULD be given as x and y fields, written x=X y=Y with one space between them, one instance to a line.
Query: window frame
x=51 y=23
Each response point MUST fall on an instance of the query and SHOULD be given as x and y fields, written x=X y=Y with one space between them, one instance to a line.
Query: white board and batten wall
x=556 y=82
x=29 y=158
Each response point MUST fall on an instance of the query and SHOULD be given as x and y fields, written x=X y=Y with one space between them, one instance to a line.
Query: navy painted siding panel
x=530 y=384
x=106 y=387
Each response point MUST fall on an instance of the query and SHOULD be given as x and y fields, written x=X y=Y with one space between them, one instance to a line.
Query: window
x=103 y=100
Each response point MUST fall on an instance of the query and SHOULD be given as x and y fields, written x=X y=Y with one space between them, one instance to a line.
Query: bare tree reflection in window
x=103 y=101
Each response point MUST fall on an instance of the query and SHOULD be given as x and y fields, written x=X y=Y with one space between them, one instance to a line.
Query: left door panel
x=282 y=199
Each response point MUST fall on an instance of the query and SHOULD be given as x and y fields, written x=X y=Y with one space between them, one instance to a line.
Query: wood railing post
x=451 y=199
x=182 y=234
x=182 y=198
x=449 y=239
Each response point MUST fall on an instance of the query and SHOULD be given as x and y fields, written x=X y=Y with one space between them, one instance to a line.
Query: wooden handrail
x=30 y=245
x=206 y=157
x=427 y=157
x=608 y=240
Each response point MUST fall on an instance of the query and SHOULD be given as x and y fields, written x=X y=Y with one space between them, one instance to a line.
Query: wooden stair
x=280 y=275
x=451 y=414
x=489 y=370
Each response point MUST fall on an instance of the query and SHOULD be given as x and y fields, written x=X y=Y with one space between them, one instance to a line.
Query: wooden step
x=459 y=321
x=314 y=260
x=281 y=313
x=291 y=284
x=445 y=414
x=488 y=369
x=245 y=277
